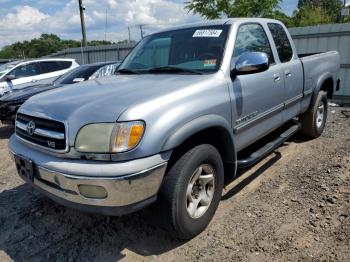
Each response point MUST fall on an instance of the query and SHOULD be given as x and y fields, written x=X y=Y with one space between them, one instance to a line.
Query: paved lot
x=293 y=205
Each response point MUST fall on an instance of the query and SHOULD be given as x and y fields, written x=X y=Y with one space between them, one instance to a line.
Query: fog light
x=89 y=191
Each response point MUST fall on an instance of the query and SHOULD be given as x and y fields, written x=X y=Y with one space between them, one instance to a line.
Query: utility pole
x=129 y=39
x=141 y=30
x=344 y=12
x=343 y=18
x=106 y=24
x=82 y=20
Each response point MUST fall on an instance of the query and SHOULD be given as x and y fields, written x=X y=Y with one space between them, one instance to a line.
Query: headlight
x=109 y=137
x=95 y=138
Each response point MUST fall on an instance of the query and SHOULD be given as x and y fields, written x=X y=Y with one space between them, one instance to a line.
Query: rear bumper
x=126 y=191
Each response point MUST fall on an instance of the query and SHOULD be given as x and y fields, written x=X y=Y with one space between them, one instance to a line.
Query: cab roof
x=224 y=21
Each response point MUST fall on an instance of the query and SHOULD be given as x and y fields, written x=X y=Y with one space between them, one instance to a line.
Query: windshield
x=81 y=72
x=6 y=67
x=198 y=49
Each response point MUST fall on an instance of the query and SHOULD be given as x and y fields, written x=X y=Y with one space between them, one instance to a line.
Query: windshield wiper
x=127 y=71
x=173 y=69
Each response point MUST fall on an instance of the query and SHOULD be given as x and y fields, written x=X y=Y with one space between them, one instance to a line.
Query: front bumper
x=8 y=112
x=129 y=185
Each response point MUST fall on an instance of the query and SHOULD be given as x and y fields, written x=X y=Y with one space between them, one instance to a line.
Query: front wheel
x=192 y=190
x=314 y=120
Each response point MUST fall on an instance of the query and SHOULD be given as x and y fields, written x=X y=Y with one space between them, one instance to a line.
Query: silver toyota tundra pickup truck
x=170 y=126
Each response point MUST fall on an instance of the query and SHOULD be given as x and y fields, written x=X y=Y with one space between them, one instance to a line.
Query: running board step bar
x=269 y=147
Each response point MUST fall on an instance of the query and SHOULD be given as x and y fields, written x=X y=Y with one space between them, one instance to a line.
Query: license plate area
x=25 y=168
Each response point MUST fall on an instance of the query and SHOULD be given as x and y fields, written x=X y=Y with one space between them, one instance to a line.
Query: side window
x=252 y=38
x=63 y=65
x=284 y=48
x=25 y=71
x=48 y=67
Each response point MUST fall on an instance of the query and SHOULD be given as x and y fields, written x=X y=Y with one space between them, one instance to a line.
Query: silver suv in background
x=19 y=74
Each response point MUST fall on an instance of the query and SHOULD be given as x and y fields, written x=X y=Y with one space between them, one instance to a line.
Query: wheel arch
x=212 y=129
x=324 y=83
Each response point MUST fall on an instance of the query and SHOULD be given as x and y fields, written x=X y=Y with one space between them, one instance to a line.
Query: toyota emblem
x=31 y=128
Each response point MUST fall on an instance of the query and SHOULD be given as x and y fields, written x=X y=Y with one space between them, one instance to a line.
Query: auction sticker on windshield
x=207 y=33
x=209 y=62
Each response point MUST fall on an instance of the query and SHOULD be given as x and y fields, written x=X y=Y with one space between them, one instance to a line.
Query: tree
x=309 y=12
x=287 y=20
x=330 y=7
x=44 y=45
x=308 y=16
x=213 y=9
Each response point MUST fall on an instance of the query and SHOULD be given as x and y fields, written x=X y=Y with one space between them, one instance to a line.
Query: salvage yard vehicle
x=172 y=124
x=10 y=102
x=19 y=74
x=5 y=61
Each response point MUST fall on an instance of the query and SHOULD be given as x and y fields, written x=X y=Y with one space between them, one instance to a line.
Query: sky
x=26 y=19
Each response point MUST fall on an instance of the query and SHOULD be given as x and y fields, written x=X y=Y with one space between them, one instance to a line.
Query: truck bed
x=319 y=65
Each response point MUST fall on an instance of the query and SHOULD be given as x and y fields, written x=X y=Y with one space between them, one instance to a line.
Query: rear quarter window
x=48 y=67
x=52 y=66
x=284 y=48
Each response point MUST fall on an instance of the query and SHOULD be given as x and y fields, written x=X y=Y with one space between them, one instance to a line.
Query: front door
x=258 y=98
x=24 y=75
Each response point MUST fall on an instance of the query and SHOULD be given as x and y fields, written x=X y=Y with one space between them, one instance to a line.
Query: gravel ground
x=293 y=205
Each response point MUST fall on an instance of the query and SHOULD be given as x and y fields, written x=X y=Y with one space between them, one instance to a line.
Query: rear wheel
x=314 y=120
x=192 y=190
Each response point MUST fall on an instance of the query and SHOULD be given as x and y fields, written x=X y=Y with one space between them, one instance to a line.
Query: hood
x=105 y=99
x=25 y=93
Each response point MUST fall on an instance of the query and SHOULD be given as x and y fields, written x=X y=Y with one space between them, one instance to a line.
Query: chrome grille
x=46 y=133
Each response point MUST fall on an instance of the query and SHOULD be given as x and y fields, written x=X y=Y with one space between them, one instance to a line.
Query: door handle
x=276 y=77
x=288 y=73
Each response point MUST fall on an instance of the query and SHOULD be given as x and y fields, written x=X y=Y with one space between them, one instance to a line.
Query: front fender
x=184 y=132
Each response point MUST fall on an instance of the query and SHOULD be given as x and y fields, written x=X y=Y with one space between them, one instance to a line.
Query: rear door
x=258 y=97
x=50 y=70
x=292 y=70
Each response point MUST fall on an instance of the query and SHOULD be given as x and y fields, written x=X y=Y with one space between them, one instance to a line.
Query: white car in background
x=19 y=74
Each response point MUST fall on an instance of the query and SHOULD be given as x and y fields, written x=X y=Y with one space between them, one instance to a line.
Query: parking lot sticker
x=207 y=33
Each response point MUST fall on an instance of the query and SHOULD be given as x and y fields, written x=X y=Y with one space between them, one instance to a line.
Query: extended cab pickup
x=171 y=125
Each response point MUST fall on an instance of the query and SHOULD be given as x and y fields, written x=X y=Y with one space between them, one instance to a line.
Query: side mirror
x=9 y=78
x=251 y=62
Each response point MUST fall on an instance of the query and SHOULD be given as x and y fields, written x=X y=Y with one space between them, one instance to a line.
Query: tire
x=314 y=120
x=178 y=205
